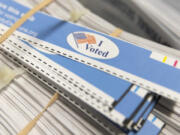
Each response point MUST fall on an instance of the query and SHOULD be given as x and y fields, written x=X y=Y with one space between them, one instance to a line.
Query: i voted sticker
x=93 y=45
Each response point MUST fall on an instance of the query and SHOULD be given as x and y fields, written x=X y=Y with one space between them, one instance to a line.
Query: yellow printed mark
x=164 y=60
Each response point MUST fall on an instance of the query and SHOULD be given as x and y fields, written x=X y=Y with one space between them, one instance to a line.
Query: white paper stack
x=153 y=19
x=163 y=18
x=25 y=97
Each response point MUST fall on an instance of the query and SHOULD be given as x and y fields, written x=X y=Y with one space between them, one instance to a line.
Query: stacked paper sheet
x=144 y=100
x=162 y=16
x=153 y=19
x=25 y=97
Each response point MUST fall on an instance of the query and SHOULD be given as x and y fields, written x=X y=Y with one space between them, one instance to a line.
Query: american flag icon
x=82 y=38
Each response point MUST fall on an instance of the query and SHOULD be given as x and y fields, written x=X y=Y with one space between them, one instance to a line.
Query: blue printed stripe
x=154 y=119
x=137 y=88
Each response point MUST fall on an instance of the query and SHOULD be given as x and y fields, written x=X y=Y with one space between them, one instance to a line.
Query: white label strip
x=172 y=61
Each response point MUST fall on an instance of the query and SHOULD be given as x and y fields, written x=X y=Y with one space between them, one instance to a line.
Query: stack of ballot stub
x=81 y=64
x=25 y=97
x=113 y=10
